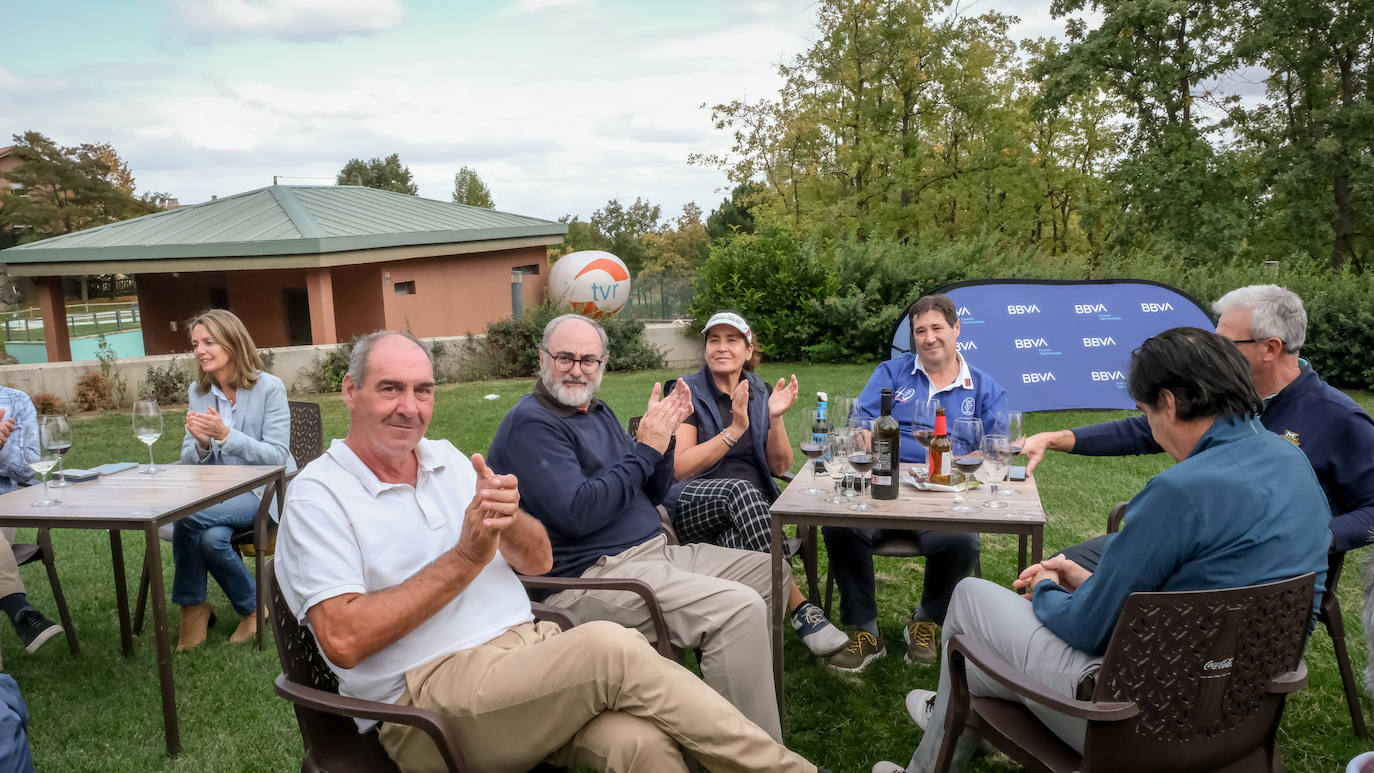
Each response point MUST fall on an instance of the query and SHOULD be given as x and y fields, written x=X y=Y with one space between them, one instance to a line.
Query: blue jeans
x=200 y=543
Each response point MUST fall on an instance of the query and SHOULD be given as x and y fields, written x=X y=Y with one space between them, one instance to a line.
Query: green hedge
x=510 y=348
x=837 y=302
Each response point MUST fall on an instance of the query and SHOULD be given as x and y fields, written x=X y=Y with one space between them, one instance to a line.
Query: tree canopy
x=387 y=174
x=469 y=189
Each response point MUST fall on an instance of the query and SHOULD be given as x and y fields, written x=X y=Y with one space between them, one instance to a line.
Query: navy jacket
x=710 y=423
x=1335 y=434
x=595 y=490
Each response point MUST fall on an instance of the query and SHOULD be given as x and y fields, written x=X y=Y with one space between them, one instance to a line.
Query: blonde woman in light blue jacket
x=236 y=414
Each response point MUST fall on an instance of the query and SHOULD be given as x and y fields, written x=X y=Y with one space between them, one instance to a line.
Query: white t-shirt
x=345 y=531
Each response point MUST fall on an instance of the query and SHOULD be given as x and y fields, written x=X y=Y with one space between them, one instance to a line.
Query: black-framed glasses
x=1243 y=340
x=566 y=361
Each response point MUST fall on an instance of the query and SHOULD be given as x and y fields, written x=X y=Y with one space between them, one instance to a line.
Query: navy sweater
x=1335 y=434
x=595 y=490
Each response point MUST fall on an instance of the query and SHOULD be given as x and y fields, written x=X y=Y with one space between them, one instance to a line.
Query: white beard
x=571 y=395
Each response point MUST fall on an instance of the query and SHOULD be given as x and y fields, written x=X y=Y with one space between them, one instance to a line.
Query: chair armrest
x=1002 y=672
x=430 y=722
x=1291 y=681
x=638 y=587
x=1115 y=517
x=563 y=617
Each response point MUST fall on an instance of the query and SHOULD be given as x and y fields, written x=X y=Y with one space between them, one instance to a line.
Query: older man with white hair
x=1268 y=324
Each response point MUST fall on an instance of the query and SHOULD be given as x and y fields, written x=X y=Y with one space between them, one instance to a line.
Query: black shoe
x=34 y=629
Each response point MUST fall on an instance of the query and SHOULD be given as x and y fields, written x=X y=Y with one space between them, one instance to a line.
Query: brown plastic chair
x=25 y=553
x=1191 y=681
x=325 y=718
x=307 y=443
x=1329 y=615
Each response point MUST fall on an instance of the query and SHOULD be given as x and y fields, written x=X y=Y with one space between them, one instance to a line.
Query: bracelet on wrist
x=730 y=440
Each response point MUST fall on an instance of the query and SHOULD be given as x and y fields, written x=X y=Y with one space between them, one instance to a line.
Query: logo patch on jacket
x=1292 y=437
x=967 y=406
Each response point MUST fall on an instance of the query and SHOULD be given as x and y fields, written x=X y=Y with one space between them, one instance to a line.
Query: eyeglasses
x=566 y=361
x=1243 y=340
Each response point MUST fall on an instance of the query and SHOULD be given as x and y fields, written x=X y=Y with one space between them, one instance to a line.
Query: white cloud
x=287 y=19
x=526 y=7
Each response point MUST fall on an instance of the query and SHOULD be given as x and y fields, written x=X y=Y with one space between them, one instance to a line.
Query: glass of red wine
x=1012 y=424
x=57 y=435
x=861 y=459
x=813 y=447
x=923 y=425
x=966 y=439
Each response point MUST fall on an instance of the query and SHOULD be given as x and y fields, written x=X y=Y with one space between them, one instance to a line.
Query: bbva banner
x=1061 y=345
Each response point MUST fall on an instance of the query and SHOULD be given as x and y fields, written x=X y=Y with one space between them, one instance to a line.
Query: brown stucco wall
x=357 y=300
x=257 y=297
x=460 y=294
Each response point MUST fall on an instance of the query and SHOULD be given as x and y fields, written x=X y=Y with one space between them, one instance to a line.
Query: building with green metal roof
x=304 y=264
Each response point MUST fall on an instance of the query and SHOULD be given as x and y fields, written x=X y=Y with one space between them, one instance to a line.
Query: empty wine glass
x=148 y=428
x=994 y=467
x=839 y=462
x=1012 y=424
x=861 y=459
x=56 y=433
x=966 y=441
x=47 y=459
x=923 y=425
x=813 y=447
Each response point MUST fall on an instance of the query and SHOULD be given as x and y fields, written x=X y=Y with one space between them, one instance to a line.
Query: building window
x=531 y=270
x=219 y=297
x=405 y=288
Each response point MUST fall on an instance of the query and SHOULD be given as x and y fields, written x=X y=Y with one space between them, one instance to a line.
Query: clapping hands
x=206 y=426
x=493 y=508
x=664 y=414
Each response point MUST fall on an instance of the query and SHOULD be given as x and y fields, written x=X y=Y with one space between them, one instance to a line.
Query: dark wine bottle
x=887 y=440
x=941 y=450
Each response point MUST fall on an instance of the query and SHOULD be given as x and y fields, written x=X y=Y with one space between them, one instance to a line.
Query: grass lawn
x=101 y=712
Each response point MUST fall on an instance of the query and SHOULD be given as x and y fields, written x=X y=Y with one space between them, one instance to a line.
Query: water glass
x=1012 y=424
x=839 y=462
x=994 y=468
x=47 y=459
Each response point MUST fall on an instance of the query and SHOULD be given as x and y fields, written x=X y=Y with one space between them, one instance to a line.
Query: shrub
x=510 y=348
x=167 y=384
x=106 y=354
x=48 y=403
x=94 y=391
x=269 y=359
x=328 y=371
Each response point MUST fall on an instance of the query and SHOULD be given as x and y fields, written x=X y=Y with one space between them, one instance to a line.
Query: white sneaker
x=920 y=704
x=888 y=767
x=816 y=632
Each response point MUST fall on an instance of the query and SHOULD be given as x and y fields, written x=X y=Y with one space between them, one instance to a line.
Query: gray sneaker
x=863 y=648
x=816 y=632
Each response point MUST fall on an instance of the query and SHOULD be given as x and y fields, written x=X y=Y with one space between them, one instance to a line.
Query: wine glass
x=994 y=468
x=966 y=441
x=923 y=425
x=861 y=459
x=812 y=446
x=148 y=428
x=839 y=462
x=47 y=459
x=1012 y=423
x=56 y=432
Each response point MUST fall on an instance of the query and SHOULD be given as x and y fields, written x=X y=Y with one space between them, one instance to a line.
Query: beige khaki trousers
x=713 y=599
x=9 y=571
x=596 y=696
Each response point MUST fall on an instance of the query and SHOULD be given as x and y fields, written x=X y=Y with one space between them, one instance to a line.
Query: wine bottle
x=887 y=439
x=820 y=428
x=940 y=450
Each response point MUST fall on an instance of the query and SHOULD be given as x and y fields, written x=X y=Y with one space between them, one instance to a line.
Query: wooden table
x=136 y=501
x=912 y=509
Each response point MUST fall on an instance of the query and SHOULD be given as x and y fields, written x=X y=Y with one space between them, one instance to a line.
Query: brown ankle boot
x=248 y=628
x=196 y=620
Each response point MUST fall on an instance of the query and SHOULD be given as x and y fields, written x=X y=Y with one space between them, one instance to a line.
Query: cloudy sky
x=559 y=105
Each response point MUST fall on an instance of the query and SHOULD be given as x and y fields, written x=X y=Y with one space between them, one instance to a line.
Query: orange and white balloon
x=593 y=282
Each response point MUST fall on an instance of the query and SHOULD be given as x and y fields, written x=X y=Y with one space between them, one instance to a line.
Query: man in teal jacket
x=1241 y=507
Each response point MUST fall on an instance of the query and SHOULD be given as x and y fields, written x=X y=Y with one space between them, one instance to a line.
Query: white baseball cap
x=733 y=320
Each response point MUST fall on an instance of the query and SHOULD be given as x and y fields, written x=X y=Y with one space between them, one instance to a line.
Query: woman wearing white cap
x=727 y=453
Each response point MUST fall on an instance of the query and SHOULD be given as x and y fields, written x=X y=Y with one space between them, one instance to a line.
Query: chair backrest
x=307 y=432
x=332 y=742
x=1199 y=664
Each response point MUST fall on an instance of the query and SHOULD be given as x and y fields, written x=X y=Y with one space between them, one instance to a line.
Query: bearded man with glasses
x=597 y=492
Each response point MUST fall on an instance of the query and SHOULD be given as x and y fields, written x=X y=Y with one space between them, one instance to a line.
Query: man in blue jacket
x=1268 y=325
x=597 y=493
x=1240 y=508
x=18 y=447
x=933 y=369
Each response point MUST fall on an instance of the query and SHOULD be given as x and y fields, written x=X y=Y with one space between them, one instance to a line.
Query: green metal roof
x=285 y=220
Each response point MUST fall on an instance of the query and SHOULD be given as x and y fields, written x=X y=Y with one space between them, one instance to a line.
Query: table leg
x=779 y=606
x=164 y=646
x=126 y=635
x=1037 y=544
x=1020 y=553
x=274 y=489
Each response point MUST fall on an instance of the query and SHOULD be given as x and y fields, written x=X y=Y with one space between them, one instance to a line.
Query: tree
x=387 y=174
x=469 y=189
x=58 y=190
x=620 y=229
x=680 y=250
x=733 y=216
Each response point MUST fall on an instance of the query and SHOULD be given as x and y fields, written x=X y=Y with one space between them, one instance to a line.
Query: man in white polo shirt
x=399 y=553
